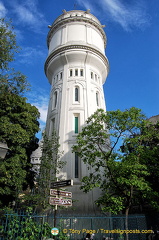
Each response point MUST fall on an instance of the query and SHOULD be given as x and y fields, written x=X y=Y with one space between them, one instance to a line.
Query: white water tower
x=76 y=68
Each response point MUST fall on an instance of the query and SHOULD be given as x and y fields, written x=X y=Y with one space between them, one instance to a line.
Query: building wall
x=35 y=159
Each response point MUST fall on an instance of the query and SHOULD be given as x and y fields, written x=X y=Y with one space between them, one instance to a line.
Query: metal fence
x=76 y=228
x=104 y=227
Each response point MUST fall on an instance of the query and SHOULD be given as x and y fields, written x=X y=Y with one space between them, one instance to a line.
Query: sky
x=132 y=30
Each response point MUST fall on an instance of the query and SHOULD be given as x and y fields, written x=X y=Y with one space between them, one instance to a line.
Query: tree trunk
x=126 y=222
x=55 y=218
x=127 y=211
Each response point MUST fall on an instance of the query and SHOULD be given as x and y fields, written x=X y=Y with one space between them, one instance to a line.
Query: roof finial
x=64 y=11
x=88 y=11
x=75 y=5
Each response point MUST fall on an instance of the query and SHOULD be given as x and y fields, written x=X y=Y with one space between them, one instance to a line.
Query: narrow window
x=96 y=77
x=76 y=94
x=91 y=75
x=76 y=124
x=81 y=72
x=53 y=124
x=97 y=98
x=60 y=75
x=70 y=72
x=76 y=165
x=76 y=72
x=55 y=99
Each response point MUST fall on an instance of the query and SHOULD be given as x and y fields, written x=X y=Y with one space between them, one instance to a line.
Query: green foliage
x=24 y=227
x=18 y=125
x=117 y=148
x=10 y=81
x=27 y=226
x=7 y=42
x=62 y=235
x=18 y=122
x=13 y=82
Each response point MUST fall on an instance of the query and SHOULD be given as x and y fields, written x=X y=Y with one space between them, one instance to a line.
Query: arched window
x=76 y=94
x=97 y=99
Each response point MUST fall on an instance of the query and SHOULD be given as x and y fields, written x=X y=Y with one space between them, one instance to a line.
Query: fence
x=20 y=226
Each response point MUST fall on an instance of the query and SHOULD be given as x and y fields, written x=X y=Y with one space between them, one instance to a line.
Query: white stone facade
x=36 y=159
x=76 y=68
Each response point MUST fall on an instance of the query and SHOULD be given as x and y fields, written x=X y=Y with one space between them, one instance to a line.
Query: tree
x=7 y=43
x=18 y=122
x=51 y=163
x=18 y=125
x=10 y=80
x=111 y=144
x=148 y=139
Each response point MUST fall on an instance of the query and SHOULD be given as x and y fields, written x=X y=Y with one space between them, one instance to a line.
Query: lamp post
x=3 y=150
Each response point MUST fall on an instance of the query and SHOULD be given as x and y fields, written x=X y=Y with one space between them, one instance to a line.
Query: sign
x=55 y=231
x=54 y=192
x=60 y=201
x=60 y=184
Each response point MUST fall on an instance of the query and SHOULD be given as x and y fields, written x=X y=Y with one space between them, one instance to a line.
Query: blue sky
x=132 y=29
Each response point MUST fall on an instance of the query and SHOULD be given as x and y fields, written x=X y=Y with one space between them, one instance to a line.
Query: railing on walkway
x=20 y=226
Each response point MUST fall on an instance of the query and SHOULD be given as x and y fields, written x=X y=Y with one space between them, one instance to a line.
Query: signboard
x=60 y=184
x=55 y=231
x=54 y=192
x=60 y=201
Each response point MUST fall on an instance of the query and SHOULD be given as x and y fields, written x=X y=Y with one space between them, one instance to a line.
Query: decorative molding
x=70 y=19
x=78 y=47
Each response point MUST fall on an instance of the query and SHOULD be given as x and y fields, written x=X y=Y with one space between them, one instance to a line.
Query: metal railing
x=22 y=226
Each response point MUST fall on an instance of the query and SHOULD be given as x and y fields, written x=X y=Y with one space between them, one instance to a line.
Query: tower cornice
x=74 y=47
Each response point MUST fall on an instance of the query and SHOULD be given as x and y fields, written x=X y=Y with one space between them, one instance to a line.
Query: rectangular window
x=53 y=124
x=76 y=72
x=55 y=99
x=70 y=72
x=76 y=165
x=60 y=75
x=76 y=125
x=97 y=98
x=81 y=72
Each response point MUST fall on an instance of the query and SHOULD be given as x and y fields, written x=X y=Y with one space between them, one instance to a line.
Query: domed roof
x=76 y=13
